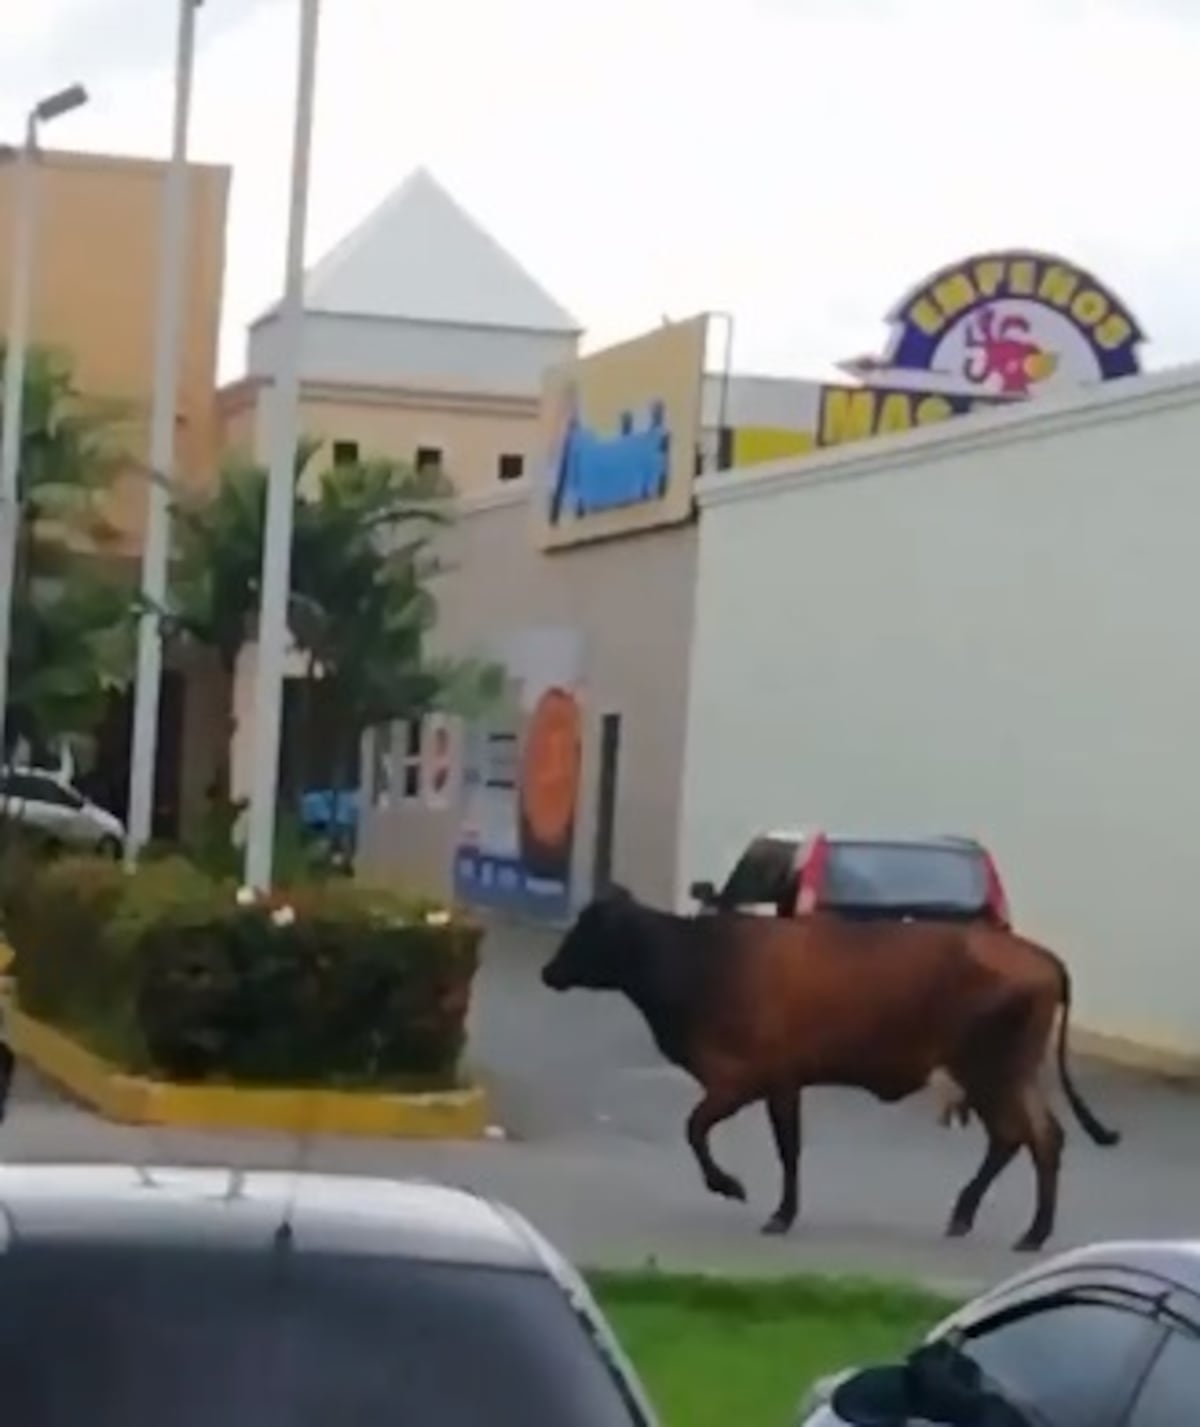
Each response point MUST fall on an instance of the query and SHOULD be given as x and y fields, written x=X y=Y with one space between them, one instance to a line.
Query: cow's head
x=594 y=952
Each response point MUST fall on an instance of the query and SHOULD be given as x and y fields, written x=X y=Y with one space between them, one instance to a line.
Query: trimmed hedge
x=168 y=972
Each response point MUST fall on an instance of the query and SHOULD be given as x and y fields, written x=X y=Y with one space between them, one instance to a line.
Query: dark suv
x=867 y=878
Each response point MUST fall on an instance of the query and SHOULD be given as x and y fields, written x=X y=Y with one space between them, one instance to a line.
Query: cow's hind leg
x=783 y=1111
x=717 y=1105
x=1044 y=1137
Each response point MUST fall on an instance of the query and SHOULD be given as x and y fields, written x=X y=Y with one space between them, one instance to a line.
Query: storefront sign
x=620 y=436
x=1008 y=325
x=597 y=472
x=522 y=778
x=852 y=413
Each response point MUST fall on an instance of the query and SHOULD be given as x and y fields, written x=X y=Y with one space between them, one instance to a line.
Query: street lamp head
x=55 y=105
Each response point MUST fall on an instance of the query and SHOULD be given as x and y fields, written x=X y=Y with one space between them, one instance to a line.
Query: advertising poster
x=522 y=773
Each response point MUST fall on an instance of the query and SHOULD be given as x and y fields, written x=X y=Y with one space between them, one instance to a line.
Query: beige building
x=423 y=340
x=95 y=293
x=94 y=299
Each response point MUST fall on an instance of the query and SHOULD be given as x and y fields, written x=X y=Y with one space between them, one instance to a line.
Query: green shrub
x=167 y=970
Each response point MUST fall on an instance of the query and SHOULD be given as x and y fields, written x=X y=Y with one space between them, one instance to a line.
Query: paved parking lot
x=595 y=1156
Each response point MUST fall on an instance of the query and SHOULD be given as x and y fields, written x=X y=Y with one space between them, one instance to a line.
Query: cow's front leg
x=718 y=1104
x=783 y=1111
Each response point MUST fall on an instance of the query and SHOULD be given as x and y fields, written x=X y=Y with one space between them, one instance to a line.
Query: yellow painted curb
x=132 y=1100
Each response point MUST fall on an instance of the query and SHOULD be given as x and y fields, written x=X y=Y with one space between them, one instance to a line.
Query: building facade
x=95 y=295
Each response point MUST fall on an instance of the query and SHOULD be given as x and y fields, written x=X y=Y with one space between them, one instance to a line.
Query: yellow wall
x=96 y=294
x=471 y=430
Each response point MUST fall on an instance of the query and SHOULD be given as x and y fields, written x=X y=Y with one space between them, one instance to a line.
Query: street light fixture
x=53 y=106
x=156 y=544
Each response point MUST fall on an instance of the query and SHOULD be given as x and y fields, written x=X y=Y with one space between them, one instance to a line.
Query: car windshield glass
x=763 y=873
x=892 y=874
x=135 y=1338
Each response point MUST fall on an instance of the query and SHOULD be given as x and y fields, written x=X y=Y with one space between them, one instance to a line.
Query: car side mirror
x=703 y=892
x=937 y=1384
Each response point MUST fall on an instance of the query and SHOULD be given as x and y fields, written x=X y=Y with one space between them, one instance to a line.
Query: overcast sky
x=797 y=162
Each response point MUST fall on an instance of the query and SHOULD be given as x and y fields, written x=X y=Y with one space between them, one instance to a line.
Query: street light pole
x=156 y=546
x=277 y=543
x=16 y=348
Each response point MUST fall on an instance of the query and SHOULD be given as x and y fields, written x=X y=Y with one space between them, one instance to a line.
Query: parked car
x=202 y=1296
x=791 y=874
x=1103 y=1336
x=51 y=804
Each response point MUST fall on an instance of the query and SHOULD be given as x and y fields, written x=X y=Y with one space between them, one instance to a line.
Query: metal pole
x=277 y=544
x=156 y=547
x=17 y=342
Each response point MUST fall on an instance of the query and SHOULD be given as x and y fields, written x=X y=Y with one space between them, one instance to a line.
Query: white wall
x=388 y=352
x=992 y=627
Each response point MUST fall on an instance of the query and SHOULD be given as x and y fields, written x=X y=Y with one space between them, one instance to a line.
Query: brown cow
x=758 y=1008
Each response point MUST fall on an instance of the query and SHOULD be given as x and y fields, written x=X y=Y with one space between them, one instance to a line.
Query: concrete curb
x=1147 y=1057
x=133 y=1100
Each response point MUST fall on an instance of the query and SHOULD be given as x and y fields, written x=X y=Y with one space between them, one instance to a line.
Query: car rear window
x=138 y=1338
x=892 y=874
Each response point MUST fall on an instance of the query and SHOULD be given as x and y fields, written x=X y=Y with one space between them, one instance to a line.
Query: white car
x=51 y=804
x=251 y=1298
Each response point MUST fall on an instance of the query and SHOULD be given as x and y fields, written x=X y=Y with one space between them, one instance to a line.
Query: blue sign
x=483 y=879
x=594 y=473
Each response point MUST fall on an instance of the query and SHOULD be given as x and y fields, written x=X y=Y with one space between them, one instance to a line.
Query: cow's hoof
x=777 y=1225
x=727 y=1187
x=958 y=1229
x=1030 y=1244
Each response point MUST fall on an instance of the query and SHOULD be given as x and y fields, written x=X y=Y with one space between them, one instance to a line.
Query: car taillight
x=997 y=900
x=812 y=876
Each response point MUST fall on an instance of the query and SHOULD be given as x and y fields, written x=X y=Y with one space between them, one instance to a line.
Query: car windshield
x=120 y=1337
x=896 y=874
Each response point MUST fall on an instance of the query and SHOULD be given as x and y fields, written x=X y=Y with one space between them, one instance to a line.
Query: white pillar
x=277 y=544
x=156 y=547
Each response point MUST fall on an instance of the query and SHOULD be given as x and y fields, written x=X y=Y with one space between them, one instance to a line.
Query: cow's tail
x=1099 y=1133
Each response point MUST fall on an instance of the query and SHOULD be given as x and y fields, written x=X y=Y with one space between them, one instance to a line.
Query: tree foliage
x=361 y=607
x=72 y=630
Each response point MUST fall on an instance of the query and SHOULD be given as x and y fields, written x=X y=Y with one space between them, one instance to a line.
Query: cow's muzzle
x=554 y=977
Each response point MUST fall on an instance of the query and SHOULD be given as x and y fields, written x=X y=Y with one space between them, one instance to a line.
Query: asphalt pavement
x=589 y=1145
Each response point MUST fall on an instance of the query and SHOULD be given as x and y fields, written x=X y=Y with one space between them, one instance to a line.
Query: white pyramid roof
x=420 y=256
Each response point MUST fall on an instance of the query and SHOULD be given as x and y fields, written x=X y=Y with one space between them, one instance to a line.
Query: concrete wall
x=632 y=601
x=471 y=430
x=381 y=351
x=991 y=627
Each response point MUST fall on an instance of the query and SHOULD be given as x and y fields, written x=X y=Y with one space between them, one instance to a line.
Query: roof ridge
x=401 y=241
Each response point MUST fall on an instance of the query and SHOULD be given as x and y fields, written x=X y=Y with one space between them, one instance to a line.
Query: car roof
x=946 y=840
x=127 y=1206
x=1171 y=1261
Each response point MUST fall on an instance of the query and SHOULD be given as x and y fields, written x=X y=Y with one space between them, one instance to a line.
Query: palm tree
x=72 y=631
x=360 y=607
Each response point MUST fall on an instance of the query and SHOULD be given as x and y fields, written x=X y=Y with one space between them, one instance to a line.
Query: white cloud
x=799 y=162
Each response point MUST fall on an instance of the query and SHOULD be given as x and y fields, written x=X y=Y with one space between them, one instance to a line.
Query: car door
x=1171 y=1388
x=1076 y=1355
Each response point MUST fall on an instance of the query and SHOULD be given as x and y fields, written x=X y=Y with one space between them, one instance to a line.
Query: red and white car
x=791 y=874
